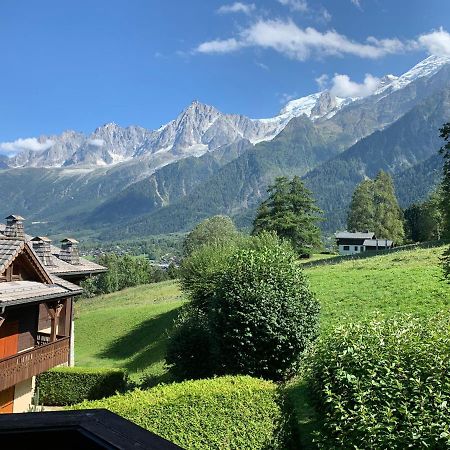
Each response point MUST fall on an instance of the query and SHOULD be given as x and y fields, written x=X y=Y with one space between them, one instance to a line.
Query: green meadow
x=129 y=328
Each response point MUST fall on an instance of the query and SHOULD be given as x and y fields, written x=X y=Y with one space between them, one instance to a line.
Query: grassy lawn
x=407 y=282
x=404 y=282
x=127 y=329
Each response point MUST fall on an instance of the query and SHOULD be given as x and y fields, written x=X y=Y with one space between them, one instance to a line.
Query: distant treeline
x=123 y=272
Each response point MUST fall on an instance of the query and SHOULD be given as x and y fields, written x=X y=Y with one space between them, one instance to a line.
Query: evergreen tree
x=388 y=215
x=361 y=214
x=445 y=198
x=291 y=212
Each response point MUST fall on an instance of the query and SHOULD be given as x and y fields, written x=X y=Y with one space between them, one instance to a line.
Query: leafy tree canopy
x=213 y=229
x=374 y=207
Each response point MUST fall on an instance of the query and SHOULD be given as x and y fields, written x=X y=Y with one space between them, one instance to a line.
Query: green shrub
x=222 y=413
x=384 y=384
x=68 y=385
x=251 y=311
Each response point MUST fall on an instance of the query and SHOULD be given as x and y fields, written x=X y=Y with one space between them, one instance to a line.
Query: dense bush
x=384 y=384
x=251 y=311
x=222 y=413
x=68 y=385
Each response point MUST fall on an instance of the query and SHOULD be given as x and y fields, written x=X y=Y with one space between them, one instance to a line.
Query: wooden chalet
x=37 y=288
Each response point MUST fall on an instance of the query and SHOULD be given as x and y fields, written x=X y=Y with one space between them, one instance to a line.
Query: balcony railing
x=29 y=363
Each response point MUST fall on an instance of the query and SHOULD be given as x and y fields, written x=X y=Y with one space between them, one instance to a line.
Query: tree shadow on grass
x=144 y=345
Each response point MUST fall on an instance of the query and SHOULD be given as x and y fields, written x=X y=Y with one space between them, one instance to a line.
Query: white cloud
x=300 y=43
x=357 y=3
x=436 y=42
x=96 y=142
x=343 y=86
x=295 y=5
x=31 y=144
x=219 y=46
x=237 y=7
x=326 y=15
x=322 y=81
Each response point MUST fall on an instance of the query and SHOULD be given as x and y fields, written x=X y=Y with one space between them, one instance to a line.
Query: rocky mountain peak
x=324 y=104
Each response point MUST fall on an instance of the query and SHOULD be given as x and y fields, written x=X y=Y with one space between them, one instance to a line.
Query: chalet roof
x=9 y=249
x=14 y=216
x=61 y=267
x=377 y=242
x=41 y=238
x=70 y=240
x=16 y=292
x=356 y=235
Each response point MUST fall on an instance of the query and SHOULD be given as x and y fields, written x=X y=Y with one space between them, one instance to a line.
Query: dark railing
x=29 y=363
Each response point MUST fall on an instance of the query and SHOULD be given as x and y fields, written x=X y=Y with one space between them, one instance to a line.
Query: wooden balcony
x=29 y=363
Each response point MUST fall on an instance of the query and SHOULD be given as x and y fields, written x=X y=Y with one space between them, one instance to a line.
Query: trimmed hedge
x=69 y=385
x=220 y=413
x=384 y=384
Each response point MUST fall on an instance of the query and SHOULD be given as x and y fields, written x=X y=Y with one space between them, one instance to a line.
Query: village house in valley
x=352 y=243
x=38 y=283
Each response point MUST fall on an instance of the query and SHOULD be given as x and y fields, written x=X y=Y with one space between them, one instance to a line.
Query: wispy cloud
x=322 y=81
x=31 y=144
x=357 y=3
x=285 y=37
x=237 y=7
x=343 y=86
x=96 y=142
x=285 y=97
x=219 y=46
x=436 y=42
x=262 y=65
x=295 y=5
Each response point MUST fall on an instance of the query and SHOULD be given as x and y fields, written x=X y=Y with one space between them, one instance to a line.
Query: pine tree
x=290 y=211
x=361 y=216
x=445 y=197
x=388 y=215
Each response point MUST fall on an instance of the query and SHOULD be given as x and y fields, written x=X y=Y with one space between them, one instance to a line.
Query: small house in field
x=351 y=243
x=38 y=283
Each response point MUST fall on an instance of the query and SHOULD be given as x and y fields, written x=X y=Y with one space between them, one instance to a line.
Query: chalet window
x=356 y=248
x=346 y=247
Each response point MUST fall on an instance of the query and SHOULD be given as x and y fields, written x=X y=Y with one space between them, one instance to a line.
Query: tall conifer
x=291 y=212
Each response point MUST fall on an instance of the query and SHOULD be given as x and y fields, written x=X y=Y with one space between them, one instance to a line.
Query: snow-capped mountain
x=198 y=129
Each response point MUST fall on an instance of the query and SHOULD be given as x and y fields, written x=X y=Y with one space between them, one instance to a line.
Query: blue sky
x=80 y=64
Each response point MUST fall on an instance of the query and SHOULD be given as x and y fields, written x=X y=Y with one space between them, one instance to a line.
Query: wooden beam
x=54 y=313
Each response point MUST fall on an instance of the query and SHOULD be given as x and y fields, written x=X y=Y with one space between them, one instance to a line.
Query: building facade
x=38 y=283
x=350 y=243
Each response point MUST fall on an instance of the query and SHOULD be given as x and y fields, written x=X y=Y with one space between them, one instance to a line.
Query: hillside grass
x=128 y=329
x=408 y=282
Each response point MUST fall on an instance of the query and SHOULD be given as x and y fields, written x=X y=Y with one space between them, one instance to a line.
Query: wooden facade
x=36 y=308
x=35 y=319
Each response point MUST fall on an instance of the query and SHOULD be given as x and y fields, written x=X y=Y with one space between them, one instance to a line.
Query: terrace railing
x=24 y=365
